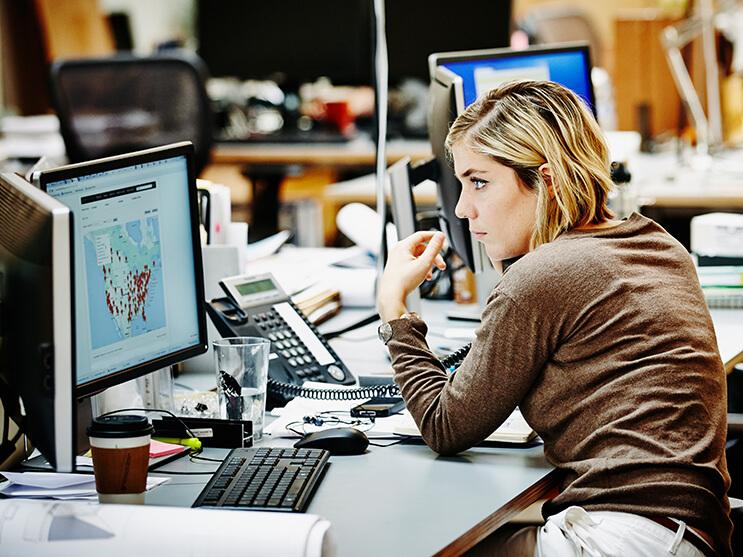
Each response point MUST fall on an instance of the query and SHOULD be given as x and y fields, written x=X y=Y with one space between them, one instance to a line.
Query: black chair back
x=110 y=106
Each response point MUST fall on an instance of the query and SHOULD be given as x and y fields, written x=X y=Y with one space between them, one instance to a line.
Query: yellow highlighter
x=193 y=443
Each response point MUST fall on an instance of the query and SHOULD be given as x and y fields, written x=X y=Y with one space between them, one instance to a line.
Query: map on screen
x=124 y=273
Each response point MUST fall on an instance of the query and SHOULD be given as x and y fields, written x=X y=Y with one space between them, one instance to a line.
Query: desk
x=672 y=194
x=405 y=499
x=304 y=169
x=358 y=152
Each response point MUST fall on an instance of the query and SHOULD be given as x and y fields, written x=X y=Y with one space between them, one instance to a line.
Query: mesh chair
x=110 y=106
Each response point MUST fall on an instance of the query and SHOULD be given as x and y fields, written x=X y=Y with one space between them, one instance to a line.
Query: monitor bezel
x=64 y=410
x=185 y=148
x=438 y=59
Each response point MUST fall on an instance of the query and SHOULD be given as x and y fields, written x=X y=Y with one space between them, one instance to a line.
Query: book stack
x=722 y=285
x=318 y=303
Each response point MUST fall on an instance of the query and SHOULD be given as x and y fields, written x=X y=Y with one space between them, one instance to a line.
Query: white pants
x=577 y=533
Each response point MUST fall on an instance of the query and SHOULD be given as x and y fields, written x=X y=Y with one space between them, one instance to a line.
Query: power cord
x=192 y=453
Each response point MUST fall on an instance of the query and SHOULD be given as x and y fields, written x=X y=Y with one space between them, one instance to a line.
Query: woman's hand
x=410 y=262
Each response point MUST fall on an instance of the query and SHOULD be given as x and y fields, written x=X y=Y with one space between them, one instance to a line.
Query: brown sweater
x=604 y=341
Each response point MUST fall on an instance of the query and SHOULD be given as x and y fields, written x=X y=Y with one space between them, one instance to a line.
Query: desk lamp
x=708 y=127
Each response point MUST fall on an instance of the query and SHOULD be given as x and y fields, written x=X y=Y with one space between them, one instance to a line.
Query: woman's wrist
x=388 y=312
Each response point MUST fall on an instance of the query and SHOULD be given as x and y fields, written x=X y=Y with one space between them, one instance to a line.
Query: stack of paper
x=50 y=485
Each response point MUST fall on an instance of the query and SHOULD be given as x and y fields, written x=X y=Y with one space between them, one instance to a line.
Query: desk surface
x=660 y=180
x=729 y=330
x=399 y=500
x=358 y=152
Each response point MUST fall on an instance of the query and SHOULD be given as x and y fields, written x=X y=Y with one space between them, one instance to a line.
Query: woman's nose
x=464 y=209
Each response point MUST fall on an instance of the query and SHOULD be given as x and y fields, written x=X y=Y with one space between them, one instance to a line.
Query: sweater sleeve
x=455 y=412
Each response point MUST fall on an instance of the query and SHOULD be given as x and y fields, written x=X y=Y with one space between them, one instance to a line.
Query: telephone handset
x=257 y=306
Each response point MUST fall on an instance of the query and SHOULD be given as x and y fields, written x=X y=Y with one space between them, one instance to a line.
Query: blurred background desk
x=671 y=193
x=269 y=176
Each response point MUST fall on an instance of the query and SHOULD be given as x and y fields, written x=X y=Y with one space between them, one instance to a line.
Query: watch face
x=385 y=332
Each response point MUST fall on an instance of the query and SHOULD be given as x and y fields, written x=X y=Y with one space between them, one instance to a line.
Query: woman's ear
x=546 y=174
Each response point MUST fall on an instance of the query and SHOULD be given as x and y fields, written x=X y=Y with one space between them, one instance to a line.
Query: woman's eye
x=478 y=183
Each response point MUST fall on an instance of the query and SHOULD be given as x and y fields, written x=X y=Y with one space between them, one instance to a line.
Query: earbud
x=314 y=420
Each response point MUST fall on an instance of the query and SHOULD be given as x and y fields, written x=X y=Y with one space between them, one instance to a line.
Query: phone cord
x=373 y=391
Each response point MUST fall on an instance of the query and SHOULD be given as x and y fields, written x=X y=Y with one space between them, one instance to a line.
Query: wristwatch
x=384 y=332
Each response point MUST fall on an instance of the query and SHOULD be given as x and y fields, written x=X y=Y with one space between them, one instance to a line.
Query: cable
x=381 y=74
x=360 y=323
x=454 y=360
x=362 y=393
x=448 y=363
x=168 y=412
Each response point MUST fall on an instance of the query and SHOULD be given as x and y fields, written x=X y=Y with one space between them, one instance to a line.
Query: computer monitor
x=296 y=39
x=418 y=28
x=138 y=282
x=458 y=79
x=306 y=40
x=36 y=313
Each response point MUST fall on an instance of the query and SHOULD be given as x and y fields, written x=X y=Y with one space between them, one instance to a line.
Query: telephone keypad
x=285 y=343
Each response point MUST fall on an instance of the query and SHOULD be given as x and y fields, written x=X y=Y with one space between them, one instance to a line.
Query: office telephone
x=257 y=306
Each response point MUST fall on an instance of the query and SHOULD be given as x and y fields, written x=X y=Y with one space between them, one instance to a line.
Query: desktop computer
x=102 y=284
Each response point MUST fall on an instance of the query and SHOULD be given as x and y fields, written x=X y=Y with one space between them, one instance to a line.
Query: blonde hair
x=525 y=124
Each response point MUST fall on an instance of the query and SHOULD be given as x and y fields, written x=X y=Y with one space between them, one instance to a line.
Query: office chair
x=108 y=106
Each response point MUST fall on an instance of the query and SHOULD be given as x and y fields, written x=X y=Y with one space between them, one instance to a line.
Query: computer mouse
x=338 y=440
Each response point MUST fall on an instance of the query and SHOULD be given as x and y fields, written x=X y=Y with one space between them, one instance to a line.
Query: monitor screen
x=300 y=40
x=482 y=71
x=418 y=28
x=137 y=275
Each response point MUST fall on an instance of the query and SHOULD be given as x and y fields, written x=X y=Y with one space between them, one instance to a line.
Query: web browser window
x=133 y=265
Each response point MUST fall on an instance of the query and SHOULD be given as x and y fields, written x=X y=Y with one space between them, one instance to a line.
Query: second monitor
x=138 y=282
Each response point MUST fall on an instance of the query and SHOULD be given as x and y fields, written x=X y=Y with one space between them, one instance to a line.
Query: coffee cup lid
x=120 y=426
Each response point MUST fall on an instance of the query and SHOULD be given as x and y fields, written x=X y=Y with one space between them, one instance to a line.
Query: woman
x=599 y=333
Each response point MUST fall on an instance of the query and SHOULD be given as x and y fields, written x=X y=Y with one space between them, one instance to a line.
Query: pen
x=194 y=443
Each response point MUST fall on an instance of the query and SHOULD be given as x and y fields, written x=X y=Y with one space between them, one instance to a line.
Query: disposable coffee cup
x=121 y=454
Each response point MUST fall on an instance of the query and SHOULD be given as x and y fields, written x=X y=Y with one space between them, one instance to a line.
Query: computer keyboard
x=266 y=479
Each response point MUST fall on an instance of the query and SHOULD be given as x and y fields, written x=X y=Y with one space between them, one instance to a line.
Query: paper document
x=72 y=529
x=514 y=430
x=52 y=485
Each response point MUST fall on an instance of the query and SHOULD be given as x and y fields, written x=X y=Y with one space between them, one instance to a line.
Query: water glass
x=242 y=373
